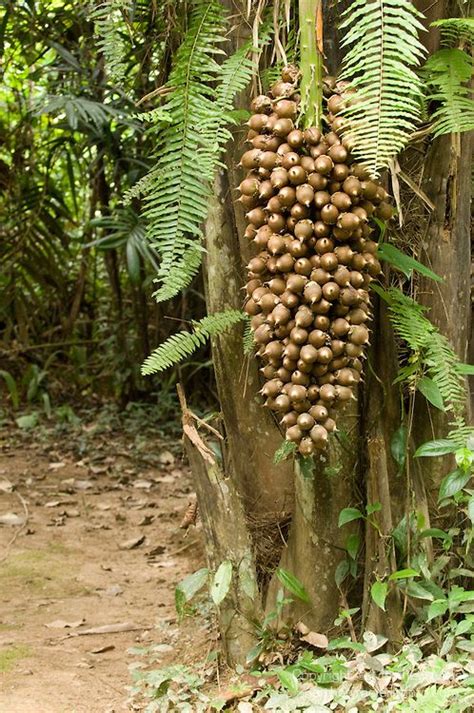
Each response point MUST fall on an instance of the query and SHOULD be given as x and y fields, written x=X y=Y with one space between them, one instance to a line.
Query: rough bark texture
x=316 y=544
x=227 y=538
x=447 y=250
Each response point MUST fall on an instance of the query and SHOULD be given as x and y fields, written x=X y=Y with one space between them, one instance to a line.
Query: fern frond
x=447 y=72
x=431 y=351
x=180 y=274
x=182 y=345
x=191 y=130
x=384 y=50
x=110 y=27
x=248 y=340
x=455 y=30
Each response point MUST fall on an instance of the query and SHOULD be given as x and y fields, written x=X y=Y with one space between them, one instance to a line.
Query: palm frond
x=182 y=345
x=384 y=51
x=448 y=73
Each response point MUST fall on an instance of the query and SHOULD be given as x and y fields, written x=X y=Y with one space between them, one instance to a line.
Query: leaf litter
x=76 y=572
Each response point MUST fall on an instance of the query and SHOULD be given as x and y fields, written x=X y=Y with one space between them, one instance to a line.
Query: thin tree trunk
x=227 y=539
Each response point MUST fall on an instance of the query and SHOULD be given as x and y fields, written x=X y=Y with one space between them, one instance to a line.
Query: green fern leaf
x=191 y=130
x=431 y=353
x=110 y=29
x=182 y=345
x=455 y=29
x=384 y=50
x=447 y=72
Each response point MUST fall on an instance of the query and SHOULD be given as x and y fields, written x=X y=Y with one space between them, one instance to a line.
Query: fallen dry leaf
x=11 y=519
x=142 y=484
x=245 y=707
x=166 y=458
x=132 y=543
x=83 y=484
x=320 y=641
x=56 y=466
x=61 y=624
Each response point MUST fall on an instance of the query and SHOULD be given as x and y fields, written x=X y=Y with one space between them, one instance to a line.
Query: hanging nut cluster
x=309 y=211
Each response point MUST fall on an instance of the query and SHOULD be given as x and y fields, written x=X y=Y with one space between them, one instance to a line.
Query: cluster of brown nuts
x=309 y=212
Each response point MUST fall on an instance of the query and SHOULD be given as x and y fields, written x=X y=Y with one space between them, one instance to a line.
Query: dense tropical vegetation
x=123 y=243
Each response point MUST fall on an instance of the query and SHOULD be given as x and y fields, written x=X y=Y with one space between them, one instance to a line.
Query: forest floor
x=90 y=553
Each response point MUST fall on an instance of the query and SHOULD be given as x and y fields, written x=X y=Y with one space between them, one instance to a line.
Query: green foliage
x=448 y=73
x=110 y=25
x=455 y=29
x=221 y=581
x=404 y=262
x=284 y=451
x=384 y=50
x=182 y=345
x=293 y=585
x=431 y=354
x=187 y=589
x=190 y=130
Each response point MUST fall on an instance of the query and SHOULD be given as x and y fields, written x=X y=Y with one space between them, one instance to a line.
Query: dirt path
x=101 y=545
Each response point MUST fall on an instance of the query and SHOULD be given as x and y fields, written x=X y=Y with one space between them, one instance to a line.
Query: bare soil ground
x=96 y=543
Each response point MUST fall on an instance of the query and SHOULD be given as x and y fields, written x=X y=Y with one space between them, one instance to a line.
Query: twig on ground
x=21 y=527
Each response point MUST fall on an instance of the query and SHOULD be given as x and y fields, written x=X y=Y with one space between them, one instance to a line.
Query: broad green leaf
x=470 y=509
x=255 y=652
x=286 y=449
x=398 y=446
x=435 y=532
x=459 y=594
x=373 y=507
x=404 y=574
x=133 y=262
x=221 y=582
x=191 y=584
x=293 y=585
x=345 y=643
x=405 y=263
x=378 y=592
x=463 y=627
x=414 y=589
x=437 y=608
x=431 y=392
x=11 y=386
x=27 y=422
x=342 y=570
x=440 y=447
x=288 y=680
x=453 y=483
x=464 y=458
x=352 y=546
x=348 y=515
